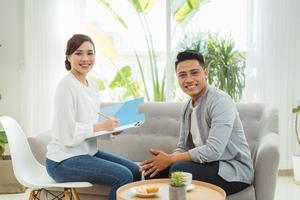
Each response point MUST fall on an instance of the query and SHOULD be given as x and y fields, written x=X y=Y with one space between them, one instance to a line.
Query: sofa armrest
x=266 y=167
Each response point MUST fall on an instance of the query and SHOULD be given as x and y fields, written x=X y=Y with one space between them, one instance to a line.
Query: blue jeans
x=102 y=168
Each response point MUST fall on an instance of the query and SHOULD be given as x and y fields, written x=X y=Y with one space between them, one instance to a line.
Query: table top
x=201 y=191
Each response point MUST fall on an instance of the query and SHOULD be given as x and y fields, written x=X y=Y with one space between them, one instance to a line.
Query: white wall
x=11 y=55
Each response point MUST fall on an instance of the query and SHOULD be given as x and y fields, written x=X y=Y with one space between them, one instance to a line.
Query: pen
x=103 y=115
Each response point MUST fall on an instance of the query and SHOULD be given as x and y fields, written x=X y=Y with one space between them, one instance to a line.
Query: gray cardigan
x=222 y=136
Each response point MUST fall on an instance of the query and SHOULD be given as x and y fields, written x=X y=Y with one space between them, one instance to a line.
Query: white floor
x=286 y=189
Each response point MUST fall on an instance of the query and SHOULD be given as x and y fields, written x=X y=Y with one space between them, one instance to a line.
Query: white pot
x=177 y=193
x=296 y=166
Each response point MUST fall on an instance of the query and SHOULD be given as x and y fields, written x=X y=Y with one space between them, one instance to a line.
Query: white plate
x=190 y=187
x=135 y=191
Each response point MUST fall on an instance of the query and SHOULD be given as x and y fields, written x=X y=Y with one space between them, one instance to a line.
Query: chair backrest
x=258 y=119
x=22 y=158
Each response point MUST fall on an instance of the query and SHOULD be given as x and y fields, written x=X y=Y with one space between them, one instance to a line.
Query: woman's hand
x=107 y=125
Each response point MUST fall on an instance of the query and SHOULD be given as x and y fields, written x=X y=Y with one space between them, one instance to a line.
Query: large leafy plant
x=225 y=63
x=182 y=10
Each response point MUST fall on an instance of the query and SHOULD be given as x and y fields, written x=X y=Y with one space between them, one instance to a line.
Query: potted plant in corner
x=177 y=189
x=3 y=142
x=296 y=156
x=226 y=64
x=8 y=181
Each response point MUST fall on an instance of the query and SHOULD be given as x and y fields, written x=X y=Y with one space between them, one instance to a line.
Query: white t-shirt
x=75 y=111
x=194 y=129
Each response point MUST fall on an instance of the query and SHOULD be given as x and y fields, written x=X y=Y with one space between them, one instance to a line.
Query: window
x=131 y=56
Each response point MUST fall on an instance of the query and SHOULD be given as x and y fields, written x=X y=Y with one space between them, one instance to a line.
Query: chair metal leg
x=75 y=194
x=35 y=195
x=31 y=195
x=68 y=194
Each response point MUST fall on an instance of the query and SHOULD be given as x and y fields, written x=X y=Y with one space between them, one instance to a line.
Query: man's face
x=192 y=78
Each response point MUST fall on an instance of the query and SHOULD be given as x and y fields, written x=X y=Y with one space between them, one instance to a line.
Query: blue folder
x=126 y=112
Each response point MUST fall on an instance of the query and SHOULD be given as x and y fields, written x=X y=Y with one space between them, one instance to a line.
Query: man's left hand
x=159 y=162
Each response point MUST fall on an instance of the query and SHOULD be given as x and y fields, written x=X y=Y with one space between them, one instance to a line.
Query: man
x=212 y=144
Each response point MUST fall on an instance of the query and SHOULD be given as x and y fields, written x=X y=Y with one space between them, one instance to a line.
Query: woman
x=72 y=155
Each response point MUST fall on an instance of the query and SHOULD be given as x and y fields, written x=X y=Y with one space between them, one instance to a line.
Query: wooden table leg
x=75 y=194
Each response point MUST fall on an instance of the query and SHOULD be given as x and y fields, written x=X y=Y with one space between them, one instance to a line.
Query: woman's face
x=82 y=60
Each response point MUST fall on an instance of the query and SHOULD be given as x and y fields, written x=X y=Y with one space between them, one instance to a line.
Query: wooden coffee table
x=201 y=191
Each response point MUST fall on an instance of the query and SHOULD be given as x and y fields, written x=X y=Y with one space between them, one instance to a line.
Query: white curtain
x=47 y=26
x=273 y=63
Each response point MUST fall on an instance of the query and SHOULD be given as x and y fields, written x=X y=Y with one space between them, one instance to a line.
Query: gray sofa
x=160 y=131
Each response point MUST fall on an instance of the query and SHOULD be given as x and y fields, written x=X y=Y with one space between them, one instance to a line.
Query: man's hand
x=159 y=162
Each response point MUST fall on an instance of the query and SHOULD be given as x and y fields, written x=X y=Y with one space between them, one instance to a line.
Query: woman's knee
x=125 y=176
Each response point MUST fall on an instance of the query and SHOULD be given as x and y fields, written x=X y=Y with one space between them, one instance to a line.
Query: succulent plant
x=177 y=179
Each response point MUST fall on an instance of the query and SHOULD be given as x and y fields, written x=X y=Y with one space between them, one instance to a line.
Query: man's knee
x=178 y=166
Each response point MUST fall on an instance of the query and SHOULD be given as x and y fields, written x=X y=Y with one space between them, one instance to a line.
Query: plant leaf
x=2 y=149
x=100 y=83
x=186 y=10
x=122 y=77
x=296 y=109
x=3 y=138
x=114 y=14
x=142 y=5
x=103 y=42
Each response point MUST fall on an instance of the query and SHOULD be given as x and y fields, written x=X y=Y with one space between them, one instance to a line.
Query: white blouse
x=75 y=111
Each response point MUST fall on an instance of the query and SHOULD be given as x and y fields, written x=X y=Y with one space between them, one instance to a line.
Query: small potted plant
x=296 y=156
x=177 y=189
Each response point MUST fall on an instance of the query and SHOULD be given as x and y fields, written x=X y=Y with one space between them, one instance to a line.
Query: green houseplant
x=296 y=156
x=3 y=142
x=225 y=64
x=296 y=110
x=177 y=189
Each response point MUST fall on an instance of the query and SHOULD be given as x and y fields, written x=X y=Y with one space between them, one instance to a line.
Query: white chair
x=28 y=170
